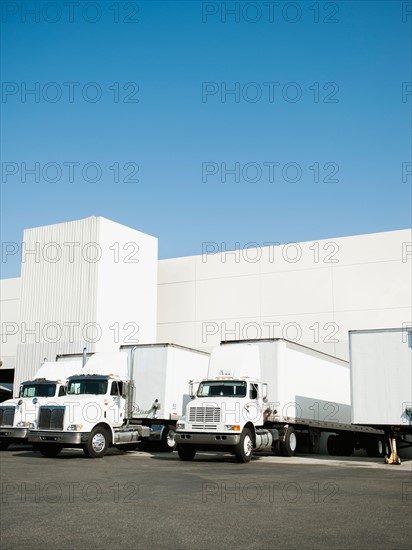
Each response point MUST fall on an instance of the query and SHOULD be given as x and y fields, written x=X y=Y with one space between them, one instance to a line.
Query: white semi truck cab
x=19 y=414
x=120 y=399
x=94 y=413
x=229 y=409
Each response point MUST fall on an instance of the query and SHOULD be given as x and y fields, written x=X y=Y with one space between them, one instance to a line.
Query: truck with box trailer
x=381 y=383
x=16 y=415
x=273 y=394
x=121 y=399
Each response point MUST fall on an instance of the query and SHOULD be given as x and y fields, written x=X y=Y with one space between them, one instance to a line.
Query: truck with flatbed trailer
x=121 y=399
x=18 y=414
x=273 y=394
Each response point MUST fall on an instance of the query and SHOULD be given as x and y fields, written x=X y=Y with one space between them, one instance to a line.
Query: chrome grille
x=51 y=418
x=7 y=416
x=204 y=415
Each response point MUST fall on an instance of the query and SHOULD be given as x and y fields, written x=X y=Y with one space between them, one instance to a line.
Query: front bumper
x=63 y=438
x=13 y=433
x=215 y=439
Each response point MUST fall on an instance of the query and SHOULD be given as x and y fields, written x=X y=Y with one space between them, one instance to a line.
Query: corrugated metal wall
x=58 y=292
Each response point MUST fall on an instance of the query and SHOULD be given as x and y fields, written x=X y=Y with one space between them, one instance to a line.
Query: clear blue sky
x=179 y=123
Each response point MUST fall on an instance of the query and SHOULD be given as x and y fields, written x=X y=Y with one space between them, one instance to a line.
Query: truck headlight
x=75 y=427
x=233 y=427
x=180 y=426
x=22 y=424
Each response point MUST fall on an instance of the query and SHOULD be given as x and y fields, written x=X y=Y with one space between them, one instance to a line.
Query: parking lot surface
x=153 y=500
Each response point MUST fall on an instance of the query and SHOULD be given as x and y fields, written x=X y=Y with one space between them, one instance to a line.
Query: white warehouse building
x=95 y=283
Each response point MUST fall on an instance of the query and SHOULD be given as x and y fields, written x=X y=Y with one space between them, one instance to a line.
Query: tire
x=4 y=444
x=50 y=450
x=186 y=452
x=288 y=446
x=376 y=447
x=167 y=443
x=244 y=449
x=96 y=446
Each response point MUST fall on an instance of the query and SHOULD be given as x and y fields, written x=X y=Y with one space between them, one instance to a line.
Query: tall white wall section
x=78 y=289
x=126 y=287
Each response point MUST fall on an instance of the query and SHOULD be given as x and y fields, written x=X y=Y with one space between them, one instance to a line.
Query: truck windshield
x=38 y=390
x=87 y=386
x=220 y=388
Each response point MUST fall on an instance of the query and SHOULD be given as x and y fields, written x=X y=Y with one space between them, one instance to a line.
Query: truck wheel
x=244 y=449
x=288 y=446
x=186 y=452
x=168 y=443
x=50 y=450
x=376 y=447
x=98 y=442
x=4 y=444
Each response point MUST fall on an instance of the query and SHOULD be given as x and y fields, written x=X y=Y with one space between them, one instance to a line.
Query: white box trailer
x=162 y=374
x=303 y=384
x=381 y=381
x=381 y=377
x=273 y=393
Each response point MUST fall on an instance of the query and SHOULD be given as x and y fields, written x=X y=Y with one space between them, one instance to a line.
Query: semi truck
x=381 y=382
x=273 y=394
x=120 y=399
x=16 y=415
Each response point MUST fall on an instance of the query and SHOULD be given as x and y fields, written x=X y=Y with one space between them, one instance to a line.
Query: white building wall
x=126 y=295
x=310 y=292
x=77 y=285
x=9 y=315
x=295 y=292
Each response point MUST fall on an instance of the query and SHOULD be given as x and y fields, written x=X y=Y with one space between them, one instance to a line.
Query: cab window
x=253 y=392
x=117 y=388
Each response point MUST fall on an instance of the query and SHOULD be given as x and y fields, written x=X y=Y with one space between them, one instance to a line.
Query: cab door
x=116 y=403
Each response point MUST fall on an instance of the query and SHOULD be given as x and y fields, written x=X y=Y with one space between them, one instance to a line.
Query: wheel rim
x=98 y=442
x=247 y=445
x=170 y=439
x=292 y=441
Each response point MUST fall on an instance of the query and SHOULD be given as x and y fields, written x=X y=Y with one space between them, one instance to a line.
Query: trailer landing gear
x=393 y=458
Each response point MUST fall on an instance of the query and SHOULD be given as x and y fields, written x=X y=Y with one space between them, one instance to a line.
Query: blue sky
x=317 y=129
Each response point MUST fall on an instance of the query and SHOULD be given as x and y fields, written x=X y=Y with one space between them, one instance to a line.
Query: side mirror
x=191 y=389
x=265 y=391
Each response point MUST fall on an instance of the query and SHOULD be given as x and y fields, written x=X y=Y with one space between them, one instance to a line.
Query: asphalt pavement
x=143 y=500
